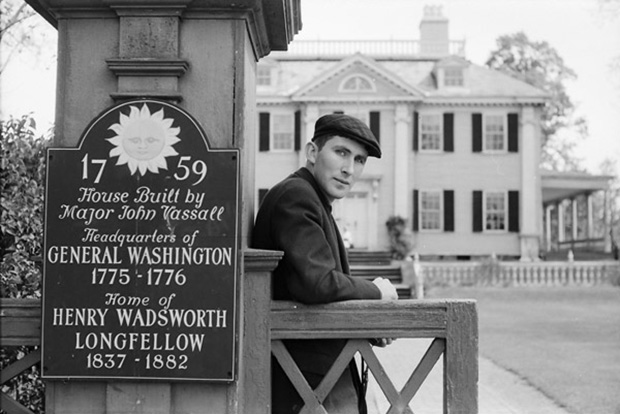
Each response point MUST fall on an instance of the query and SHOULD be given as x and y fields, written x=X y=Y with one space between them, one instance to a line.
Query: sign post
x=141 y=250
x=142 y=236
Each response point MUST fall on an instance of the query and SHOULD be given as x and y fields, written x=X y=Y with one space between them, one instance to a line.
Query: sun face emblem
x=143 y=141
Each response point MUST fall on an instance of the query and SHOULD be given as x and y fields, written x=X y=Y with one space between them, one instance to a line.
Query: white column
x=402 y=120
x=561 y=225
x=531 y=204
x=590 y=229
x=573 y=206
x=548 y=227
x=308 y=120
x=607 y=218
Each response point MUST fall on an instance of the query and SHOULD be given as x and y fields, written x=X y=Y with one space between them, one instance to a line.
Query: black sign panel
x=141 y=249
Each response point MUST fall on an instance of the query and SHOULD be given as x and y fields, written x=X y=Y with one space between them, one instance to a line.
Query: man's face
x=337 y=166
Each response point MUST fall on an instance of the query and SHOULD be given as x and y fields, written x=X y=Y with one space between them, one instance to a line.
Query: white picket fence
x=496 y=273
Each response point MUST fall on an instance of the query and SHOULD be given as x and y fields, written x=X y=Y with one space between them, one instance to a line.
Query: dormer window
x=263 y=76
x=357 y=83
x=451 y=72
x=453 y=77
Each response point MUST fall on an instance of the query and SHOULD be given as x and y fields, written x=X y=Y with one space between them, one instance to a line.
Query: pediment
x=357 y=77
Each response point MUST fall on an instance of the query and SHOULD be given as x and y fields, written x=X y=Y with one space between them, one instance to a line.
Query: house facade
x=461 y=143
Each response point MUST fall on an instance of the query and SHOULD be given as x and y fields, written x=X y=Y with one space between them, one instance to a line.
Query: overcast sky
x=584 y=34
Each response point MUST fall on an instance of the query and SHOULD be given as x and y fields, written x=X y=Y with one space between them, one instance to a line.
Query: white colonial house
x=461 y=143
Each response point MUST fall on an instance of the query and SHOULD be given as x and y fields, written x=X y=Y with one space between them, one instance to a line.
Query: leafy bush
x=22 y=175
x=22 y=190
x=401 y=239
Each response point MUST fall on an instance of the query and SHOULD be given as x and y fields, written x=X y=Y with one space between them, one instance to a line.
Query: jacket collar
x=305 y=174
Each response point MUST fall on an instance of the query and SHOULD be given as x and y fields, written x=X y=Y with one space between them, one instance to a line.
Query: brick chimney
x=434 y=33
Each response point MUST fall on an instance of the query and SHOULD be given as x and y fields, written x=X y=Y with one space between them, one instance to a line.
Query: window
x=431 y=132
x=453 y=77
x=495 y=210
x=494 y=132
x=279 y=132
x=263 y=76
x=430 y=210
x=357 y=83
x=283 y=132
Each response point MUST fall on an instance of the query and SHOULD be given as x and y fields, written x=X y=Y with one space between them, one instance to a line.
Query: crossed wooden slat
x=11 y=371
x=399 y=401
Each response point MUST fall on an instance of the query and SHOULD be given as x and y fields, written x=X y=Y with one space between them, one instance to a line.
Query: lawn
x=564 y=341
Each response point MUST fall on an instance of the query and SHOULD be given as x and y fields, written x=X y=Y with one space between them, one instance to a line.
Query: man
x=295 y=217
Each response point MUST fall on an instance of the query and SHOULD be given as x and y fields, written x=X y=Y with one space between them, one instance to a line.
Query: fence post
x=254 y=387
x=418 y=277
x=461 y=359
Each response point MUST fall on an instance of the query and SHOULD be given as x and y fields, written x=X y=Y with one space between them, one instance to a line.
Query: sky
x=586 y=34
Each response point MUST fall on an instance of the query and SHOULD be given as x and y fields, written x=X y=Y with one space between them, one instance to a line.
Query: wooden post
x=255 y=382
x=461 y=359
x=200 y=55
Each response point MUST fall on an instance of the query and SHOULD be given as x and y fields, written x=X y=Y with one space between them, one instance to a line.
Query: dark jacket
x=295 y=218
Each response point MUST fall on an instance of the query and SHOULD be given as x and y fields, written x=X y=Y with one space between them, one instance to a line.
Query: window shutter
x=513 y=132
x=513 y=211
x=375 y=122
x=477 y=210
x=415 y=130
x=416 y=225
x=262 y=192
x=448 y=132
x=297 y=130
x=476 y=132
x=263 y=131
x=448 y=210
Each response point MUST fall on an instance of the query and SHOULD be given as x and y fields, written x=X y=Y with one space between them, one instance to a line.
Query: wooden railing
x=495 y=273
x=452 y=324
x=20 y=320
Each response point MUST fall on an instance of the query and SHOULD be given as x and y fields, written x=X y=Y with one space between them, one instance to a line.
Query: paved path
x=499 y=391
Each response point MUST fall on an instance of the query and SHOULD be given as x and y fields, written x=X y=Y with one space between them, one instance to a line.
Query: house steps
x=372 y=264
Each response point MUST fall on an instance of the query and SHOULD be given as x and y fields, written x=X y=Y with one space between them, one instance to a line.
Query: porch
x=576 y=214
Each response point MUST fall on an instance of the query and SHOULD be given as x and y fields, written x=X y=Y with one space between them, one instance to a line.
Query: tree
x=540 y=65
x=21 y=30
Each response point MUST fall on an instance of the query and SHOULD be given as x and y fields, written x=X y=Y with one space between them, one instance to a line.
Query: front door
x=351 y=214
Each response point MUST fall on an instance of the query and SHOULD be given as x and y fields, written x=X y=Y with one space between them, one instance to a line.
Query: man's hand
x=388 y=291
x=381 y=342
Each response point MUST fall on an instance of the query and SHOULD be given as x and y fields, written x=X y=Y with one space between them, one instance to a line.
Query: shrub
x=401 y=239
x=22 y=175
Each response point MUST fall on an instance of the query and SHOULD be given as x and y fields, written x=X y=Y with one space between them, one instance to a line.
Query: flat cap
x=348 y=127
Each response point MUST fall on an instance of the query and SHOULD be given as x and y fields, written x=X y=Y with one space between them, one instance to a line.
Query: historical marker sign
x=141 y=247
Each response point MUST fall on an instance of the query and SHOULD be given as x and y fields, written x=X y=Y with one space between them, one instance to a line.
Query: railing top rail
x=21 y=321
x=522 y=264
x=389 y=47
x=363 y=319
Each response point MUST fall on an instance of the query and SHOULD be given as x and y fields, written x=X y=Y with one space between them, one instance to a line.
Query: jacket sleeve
x=312 y=274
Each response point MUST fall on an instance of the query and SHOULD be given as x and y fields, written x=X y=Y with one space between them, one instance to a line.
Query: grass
x=564 y=341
